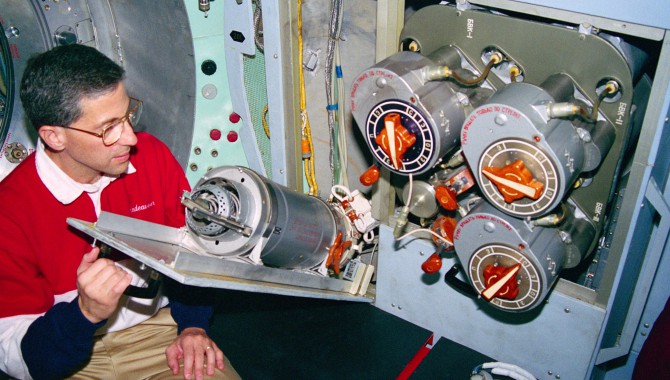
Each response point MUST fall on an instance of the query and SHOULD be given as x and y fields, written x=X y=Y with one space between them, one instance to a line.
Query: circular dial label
x=527 y=276
x=390 y=145
x=507 y=152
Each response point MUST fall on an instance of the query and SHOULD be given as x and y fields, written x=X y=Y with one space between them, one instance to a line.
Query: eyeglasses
x=112 y=132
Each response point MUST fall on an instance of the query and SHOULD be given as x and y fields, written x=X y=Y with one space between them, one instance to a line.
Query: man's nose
x=128 y=136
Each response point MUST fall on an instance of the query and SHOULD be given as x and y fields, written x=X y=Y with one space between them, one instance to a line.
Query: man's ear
x=53 y=137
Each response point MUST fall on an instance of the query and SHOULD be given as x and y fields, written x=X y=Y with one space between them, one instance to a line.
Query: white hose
x=509 y=370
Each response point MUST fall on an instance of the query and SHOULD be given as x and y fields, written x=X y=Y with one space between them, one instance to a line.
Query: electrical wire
x=374 y=251
x=509 y=370
x=343 y=189
x=264 y=115
x=308 y=158
x=342 y=133
x=306 y=132
x=412 y=232
x=332 y=106
x=401 y=221
x=410 y=192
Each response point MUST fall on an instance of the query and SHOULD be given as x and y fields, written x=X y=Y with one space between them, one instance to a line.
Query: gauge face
x=526 y=275
x=410 y=140
x=541 y=185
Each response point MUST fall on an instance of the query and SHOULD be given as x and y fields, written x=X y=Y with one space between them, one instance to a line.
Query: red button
x=234 y=118
x=215 y=134
x=232 y=136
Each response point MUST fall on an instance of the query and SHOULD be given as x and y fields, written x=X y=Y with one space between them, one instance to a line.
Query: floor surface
x=280 y=337
x=272 y=337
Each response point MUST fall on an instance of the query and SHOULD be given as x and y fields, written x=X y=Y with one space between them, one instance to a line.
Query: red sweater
x=40 y=253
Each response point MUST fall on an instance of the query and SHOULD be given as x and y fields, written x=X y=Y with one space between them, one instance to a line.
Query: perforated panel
x=256 y=88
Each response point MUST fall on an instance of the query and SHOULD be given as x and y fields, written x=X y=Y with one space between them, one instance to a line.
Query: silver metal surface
x=24 y=29
x=281 y=76
x=423 y=202
x=434 y=27
x=249 y=199
x=214 y=222
x=572 y=320
x=430 y=110
x=134 y=34
x=164 y=78
x=171 y=252
x=482 y=237
x=515 y=123
x=514 y=114
x=636 y=223
x=628 y=272
x=644 y=18
x=564 y=323
x=238 y=18
x=286 y=229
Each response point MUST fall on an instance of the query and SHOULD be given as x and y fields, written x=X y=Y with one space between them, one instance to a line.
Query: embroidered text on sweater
x=143 y=207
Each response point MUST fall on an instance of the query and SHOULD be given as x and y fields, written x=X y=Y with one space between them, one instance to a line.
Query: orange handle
x=370 y=176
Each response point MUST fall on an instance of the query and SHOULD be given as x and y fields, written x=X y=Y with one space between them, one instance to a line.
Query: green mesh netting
x=254 y=82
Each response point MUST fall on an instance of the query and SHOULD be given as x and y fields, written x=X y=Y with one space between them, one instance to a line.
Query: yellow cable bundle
x=308 y=156
x=264 y=119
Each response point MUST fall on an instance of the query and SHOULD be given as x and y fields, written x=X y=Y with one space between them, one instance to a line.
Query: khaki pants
x=139 y=353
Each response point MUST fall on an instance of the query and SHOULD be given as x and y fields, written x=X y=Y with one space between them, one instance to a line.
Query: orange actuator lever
x=335 y=253
x=395 y=139
x=370 y=176
x=432 y=264
x=444 y=226
x=514 y=181
x=501 y=282
x=446 y=197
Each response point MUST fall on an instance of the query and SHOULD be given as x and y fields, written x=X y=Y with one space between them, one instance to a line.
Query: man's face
x=86 y=157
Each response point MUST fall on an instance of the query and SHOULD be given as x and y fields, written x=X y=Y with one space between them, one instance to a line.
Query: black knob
x=208 y=67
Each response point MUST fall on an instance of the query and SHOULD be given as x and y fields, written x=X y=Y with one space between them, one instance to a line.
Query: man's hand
x=100 y=284
x=197 y=350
